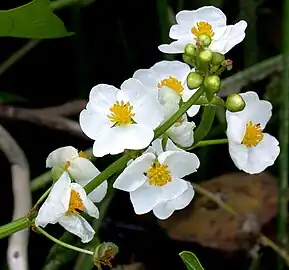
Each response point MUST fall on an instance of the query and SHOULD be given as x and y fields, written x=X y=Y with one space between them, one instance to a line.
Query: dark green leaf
x=7 y=98
x=33 y=20
x=191 y=260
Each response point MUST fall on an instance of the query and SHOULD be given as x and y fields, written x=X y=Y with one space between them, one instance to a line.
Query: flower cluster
x=126 y=119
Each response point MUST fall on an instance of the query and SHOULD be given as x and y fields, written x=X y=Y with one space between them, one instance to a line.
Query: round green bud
x=213 y=83
x=205 y=40
x=187 y=59
x=194 y=80
x=190 y=50
x=206 y=56
x=218 y=58
x=235 y=103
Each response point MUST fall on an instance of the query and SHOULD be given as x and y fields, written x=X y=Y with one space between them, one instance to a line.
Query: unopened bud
x=213 y=83
x=190 y=50
x=235 y=103
x=194 y=80
x=204 y=40
x=218 y=58
x=228 y=64
x=187 y=59
x=206 y=56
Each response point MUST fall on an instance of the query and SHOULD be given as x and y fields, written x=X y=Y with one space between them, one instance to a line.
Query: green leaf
x=191 y=260
x=7 y=98
x=33 y=20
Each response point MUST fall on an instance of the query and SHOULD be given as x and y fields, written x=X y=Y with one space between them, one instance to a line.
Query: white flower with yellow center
x=250 y=148
x=154 y=180
x=64 y=204
x=166 y=81
x=80 y=168
x=120 y=119
x=207 y=20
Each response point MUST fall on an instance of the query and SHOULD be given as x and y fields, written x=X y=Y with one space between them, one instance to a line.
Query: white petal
x=187 y=93
x=233 y=35
x=236 y=127
x=89 y=206
x=77 y=225
x=166 y=209
x=94 y=123
x=82 y=170
x=60 y=156
x=157 y=147
x=182 y=134
x=143 y=103
x=172 y=189
x=180 y=163
x=263 y=155
x=57 y=202
x=178 y=31
x=117 y=139
x=210 y=14
x=239 y=154
x=133 y=176
x=98 y=193
x=177 y=46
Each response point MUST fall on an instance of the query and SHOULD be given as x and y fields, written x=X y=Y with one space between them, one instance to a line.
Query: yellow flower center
x=254 y=134
x=75 y=204
x=82 y=154
x=121 y=113
x=203 y=28
x=172 y=83
x=159 y=174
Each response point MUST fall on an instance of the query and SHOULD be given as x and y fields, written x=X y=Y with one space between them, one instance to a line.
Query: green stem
x=165 y=126
x=14 y=226
x=60 y=243
x=282 y=233
x=208 y=142
x=206 y=123
x=44 y=195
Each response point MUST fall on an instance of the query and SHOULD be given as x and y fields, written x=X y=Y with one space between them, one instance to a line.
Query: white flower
x=251 y=150
x=64 y=204
x=168 y=75
x=207 y=20
x=120 y=119
x=80 y=168
x=154 y=180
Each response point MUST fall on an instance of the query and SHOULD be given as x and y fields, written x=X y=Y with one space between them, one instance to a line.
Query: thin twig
x=18 y=242
x=43 y=119
x=264 y=240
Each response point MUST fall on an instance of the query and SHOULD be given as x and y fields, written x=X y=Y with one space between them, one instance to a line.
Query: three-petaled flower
x=250 y=148
x=207 y=20
x=120 y=119
x=154 y=180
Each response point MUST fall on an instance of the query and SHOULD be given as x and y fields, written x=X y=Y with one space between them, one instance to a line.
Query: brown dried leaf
x=253 y=197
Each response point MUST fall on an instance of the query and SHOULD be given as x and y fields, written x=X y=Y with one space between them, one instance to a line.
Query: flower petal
x=166 y=209
x=236 y=127
x=177 y=46
x=98 y=193
x=89 y=206
x=82 y=170
x=133 y=175
x=60 y=156
x=77 y=225
x=187 y=93
x=117 y=139
x=143 y=103
x=182 y=134
x=180 y=163
x=57 y=202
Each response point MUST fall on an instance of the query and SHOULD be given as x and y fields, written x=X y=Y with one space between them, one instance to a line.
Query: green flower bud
x=235 y=103
x=187 y=59
x=206 y=56
x=218 y=58
x=190 y=50
x=194 y=80
x=104 y=253
x=213 y=83
x=204 y=40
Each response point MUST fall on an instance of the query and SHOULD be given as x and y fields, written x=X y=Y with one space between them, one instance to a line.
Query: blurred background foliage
x=113 y=39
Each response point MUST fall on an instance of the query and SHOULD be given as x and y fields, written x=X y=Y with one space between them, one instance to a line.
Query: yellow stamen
x=121 y=113
x=159 y=174
x=173 y=84
x=82 y=154
x=254 y=134
x=203 y=28
x=75 y=204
